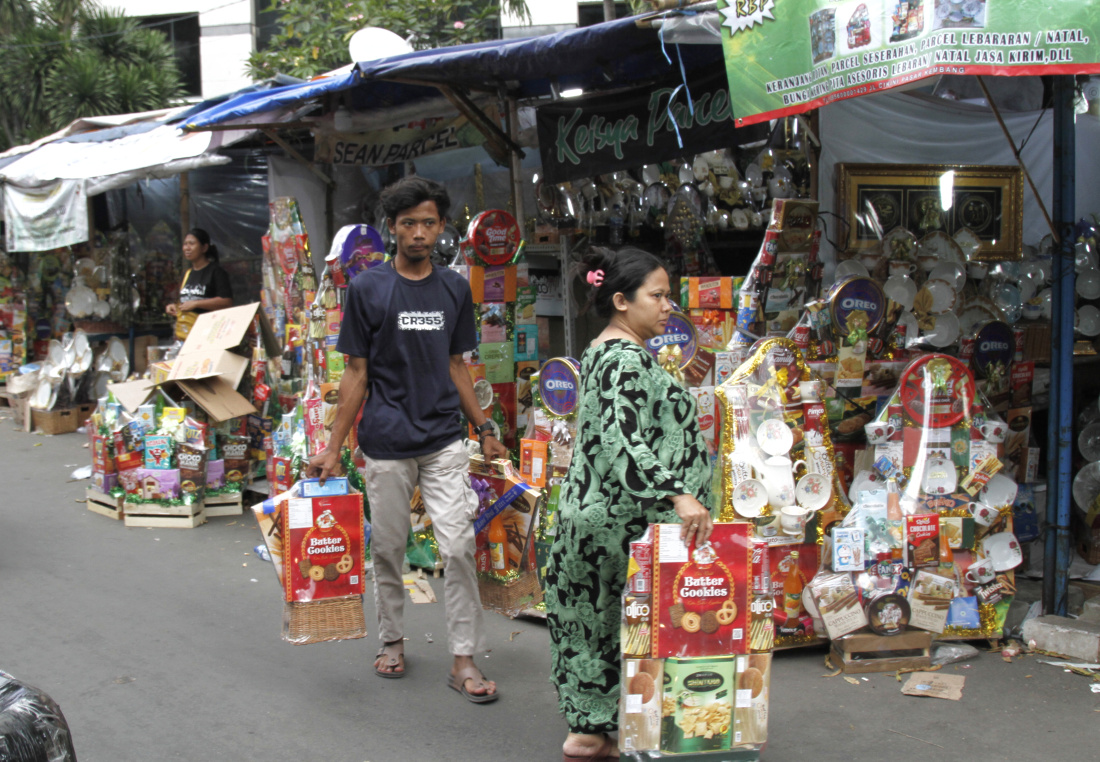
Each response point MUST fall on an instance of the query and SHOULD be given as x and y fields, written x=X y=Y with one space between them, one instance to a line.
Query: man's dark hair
x=413 y=191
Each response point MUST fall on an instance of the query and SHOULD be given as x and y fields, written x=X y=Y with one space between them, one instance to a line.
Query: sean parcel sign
x=590 y=136
x=790 y=56
x=403 y=142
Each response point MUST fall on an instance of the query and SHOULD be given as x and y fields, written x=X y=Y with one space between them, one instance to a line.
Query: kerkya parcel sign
x=590 y=136
x=403 y=142
x=789 y=56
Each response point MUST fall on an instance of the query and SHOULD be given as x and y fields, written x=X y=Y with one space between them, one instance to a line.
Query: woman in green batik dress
x=639 y=459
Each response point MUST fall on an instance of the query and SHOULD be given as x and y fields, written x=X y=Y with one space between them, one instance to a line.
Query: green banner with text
x=789 y=56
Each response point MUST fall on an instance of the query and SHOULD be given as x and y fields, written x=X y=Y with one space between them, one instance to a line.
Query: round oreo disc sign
x=679 y=330
x=994 y=344
x=857 y=295
x=559 y=386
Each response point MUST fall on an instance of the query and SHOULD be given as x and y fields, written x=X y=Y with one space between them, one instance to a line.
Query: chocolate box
x=215 y=474
x=501 y=491
x=701 y=594
x=323 y=547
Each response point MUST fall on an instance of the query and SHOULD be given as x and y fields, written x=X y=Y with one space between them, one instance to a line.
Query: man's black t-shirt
x=407 y=330
x=209 y=282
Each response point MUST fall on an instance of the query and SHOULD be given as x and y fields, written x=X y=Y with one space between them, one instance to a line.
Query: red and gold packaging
x=701 y=594
x=323 y=547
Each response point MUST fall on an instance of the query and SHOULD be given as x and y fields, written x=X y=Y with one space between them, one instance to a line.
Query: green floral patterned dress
x=638 y=443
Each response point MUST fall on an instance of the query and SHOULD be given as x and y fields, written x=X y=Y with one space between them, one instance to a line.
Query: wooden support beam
x=274 y=136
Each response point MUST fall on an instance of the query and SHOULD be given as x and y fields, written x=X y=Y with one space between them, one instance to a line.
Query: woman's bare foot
x=589 y=746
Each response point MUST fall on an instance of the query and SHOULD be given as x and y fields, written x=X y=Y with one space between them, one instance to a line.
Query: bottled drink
x=498 y=541
x=792 y=590
x=947 y=558
x=499 y=418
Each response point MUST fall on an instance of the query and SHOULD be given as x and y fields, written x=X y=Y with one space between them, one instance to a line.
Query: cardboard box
x=922 y=540
x=640 y=723
x=701 y=594
x=930 y=598
x=750 y=706
x=836 y=599
x=210 y=364
x=700 y=693
x=501 y=491
x=533 y=459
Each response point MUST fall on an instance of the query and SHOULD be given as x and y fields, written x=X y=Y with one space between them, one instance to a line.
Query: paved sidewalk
x=164 y=644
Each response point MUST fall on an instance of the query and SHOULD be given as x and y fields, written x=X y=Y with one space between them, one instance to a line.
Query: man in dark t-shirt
x=406 y=326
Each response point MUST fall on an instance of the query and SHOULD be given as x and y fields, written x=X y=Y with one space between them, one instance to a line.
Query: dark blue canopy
x=613 y=55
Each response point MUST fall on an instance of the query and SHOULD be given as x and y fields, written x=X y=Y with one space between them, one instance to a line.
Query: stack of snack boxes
x=694 y=678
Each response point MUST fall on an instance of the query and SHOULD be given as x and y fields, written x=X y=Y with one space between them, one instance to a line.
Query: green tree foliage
x=313 y=34
x=61 y=60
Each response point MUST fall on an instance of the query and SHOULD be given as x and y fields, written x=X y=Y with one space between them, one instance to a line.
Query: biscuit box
x=158 y=451
x=701 y=594
x=697 y=709
x=750 y=706
x=323 y=547
x=640 y=719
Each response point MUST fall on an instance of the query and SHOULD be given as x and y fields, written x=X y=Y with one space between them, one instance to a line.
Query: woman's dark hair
x=204 y=238
x=624 y=272
x=413 y=191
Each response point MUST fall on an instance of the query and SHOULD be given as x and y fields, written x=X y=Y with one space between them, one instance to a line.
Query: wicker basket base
x=513 y=597
x=324 y=620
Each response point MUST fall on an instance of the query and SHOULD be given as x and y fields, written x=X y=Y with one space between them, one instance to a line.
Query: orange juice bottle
x=498 y=542
x=792 y=590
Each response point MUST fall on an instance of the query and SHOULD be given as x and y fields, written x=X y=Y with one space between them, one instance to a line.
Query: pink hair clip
x=595 y=278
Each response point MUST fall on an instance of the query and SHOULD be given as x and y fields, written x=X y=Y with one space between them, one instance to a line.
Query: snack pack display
x=689 y=684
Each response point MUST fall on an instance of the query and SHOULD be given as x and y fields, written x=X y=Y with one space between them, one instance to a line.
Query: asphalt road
x=165 y=644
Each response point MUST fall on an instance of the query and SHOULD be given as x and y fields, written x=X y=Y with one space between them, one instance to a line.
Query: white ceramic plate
x=1086 y=486
x=1001 y=490
x=1004 y=550
x=1046 y=302
x=939 y=477
x=899 y=243
x=901 y=289
x=969 y=242
x=951 y=272
x=945 y=332
x=1088 y=284
x=749 y=498
x=864 y=481
x=1088 y=442
x=483 y=390
x=814 y=491
x=851 y=268
x=774 y=437
x=1007 y=298
x=1088 y=320
x=943 y=296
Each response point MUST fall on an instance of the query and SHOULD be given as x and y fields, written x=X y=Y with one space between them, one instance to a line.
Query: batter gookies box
x=323 y=547
x=701 y=595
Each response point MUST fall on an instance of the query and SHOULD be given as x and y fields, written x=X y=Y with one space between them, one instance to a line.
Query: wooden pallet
x=165 y=522
x=224 y=505
x=103 y=504
x=865 y=652
x=163 y=515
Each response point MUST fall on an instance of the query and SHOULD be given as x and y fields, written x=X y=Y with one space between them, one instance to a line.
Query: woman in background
x=205 y=285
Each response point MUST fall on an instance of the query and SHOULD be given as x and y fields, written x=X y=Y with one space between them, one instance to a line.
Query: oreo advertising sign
x=994 y=344
x=560 y=386
x=678 y=330
x=857 y=295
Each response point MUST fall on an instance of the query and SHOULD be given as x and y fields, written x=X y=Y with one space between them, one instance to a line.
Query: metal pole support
x=1057 y=558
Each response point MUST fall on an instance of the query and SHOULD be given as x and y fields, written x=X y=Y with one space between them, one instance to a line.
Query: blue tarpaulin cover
x=613 y=55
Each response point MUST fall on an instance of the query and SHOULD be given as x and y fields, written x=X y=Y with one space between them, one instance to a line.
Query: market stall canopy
x=614 y=55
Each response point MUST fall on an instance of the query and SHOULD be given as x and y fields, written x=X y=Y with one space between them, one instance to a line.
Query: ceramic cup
x=977 y=270
x=879 y=432
x=792 y=519
x=902 y=267
x=983 y=514
x=994 y=431
x=981 y=572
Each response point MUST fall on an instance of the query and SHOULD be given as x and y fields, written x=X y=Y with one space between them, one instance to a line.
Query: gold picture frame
x=873 y=199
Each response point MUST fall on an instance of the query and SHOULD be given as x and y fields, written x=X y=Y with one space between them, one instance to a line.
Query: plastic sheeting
x=32 y=727
x=230 y=203
x=905 y=128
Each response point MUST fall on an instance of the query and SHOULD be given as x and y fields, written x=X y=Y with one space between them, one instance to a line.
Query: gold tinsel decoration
x=728 y=445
